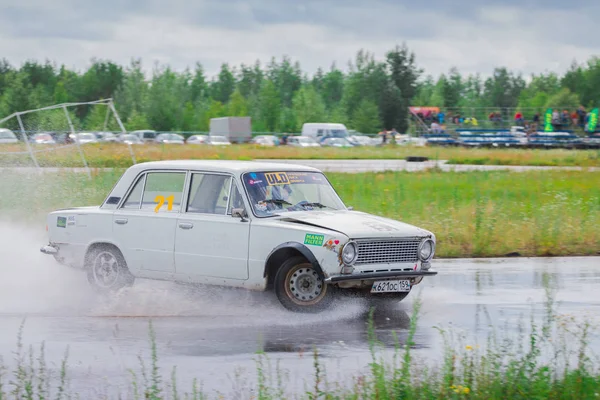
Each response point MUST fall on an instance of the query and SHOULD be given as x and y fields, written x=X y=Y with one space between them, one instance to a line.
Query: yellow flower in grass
x=469 y=347
x=460 y=389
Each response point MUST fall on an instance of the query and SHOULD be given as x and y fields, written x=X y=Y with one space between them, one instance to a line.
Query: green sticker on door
x=314 y=240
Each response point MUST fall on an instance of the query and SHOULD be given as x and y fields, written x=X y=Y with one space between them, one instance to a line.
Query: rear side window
x=163 y=191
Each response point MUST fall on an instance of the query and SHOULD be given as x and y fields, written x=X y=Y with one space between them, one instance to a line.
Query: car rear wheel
x=300 y=288
x=106 y=269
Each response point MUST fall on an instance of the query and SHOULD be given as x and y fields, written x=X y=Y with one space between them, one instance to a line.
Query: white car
x=259 y=226
x=302 y=141
x=8 y=136
x=129 y=138
x=170 y=138
x=197 y=139
x=265 y=140
x=85 y=138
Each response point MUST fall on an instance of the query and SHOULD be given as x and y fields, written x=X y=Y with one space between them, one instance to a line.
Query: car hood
x=354 y=224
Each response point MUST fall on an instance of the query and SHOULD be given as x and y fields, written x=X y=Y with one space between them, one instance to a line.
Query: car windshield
x=273 y=193
x=149 y=135
x=6 y=135
x=338 y=133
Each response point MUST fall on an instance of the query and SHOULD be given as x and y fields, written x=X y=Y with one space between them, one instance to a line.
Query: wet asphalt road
x=214 y=335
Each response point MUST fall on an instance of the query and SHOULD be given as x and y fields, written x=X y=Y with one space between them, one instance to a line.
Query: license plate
x=390 y=286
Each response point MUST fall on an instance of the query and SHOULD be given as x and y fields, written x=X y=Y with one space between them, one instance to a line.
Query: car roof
x=232 y=166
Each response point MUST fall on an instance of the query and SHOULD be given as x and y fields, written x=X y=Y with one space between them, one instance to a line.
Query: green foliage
x=280 y=97
x=308 y=106
x=365 y=117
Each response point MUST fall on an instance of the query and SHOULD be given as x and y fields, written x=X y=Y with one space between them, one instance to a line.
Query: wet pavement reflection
x=214 y=335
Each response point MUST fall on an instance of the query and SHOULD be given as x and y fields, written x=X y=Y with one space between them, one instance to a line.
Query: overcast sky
x=526 y=36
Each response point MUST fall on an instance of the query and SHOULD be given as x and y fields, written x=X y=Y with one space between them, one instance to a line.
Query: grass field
x=117 y=155
x=473 y=214
x=549 y=359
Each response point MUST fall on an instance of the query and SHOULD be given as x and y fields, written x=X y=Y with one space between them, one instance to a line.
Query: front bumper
x=369 y=276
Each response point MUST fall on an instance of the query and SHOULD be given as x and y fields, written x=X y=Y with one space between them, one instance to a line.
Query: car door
x=209 y=242
x=144 y=224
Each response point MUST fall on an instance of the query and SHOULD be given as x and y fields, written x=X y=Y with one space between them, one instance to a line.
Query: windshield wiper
x=314 y=205
x=277 y=201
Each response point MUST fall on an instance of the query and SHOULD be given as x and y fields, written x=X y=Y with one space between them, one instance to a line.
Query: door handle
x=121 y=221
x=186 y=225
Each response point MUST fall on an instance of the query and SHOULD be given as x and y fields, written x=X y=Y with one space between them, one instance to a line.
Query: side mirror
x=239 y=213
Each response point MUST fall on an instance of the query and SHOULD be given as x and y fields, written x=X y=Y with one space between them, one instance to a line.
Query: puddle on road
x=210 y=333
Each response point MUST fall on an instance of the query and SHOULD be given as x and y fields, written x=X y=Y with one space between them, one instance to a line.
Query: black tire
x=107 y=259
x=296 y=272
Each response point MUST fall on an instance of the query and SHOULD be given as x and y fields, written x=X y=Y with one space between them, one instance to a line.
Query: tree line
x=372 y=95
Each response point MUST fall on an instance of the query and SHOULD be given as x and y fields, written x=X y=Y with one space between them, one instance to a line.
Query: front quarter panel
x=265 y=236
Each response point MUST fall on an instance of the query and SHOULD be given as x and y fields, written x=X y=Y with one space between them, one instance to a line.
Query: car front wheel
x=106 y=269
x=299 y=287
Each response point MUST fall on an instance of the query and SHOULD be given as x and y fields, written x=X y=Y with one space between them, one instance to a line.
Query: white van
x=319 y=130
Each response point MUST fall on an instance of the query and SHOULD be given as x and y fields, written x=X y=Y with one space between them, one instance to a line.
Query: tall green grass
x=546 y=359
x=473 y=214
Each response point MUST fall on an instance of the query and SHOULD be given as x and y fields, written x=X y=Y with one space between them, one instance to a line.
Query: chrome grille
x=387 y=251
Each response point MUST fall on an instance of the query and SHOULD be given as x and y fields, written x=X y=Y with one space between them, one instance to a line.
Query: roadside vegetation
x=118 y=155
x=473 y=214
x=547 y=358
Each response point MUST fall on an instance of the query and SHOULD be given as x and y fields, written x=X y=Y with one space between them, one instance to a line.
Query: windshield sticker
x=277 y=178
x=304 y=177
x=314 y=240
x=61 y=222
x=261 y=206
x=71 y=220
x=254 y=182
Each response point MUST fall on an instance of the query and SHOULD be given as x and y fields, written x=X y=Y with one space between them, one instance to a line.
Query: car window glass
x=209 y=194
x=133 y=200
x=163 y=191
x=236 y=200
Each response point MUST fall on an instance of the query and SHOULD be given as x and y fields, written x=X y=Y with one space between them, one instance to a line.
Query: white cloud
x=472 y=37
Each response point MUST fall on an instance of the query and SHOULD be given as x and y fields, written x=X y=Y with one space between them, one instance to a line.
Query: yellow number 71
x=160 y=200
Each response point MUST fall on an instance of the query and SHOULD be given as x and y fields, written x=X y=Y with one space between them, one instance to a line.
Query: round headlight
x=426 y=250
x=349 y=253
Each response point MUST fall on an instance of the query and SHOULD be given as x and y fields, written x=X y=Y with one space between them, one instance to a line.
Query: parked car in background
x=85 y=138
x=170 y=138
x=43 y=138
x=7 y=136
x=128 y=138
x=360 y=140
x=108 y=137
x=218 y=141
x=336 y=142
x=146 y=135
x=265 y=140
x=302 y=141
x=197 y=139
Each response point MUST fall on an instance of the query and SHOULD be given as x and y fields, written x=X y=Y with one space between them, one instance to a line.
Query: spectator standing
x=519 y=120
